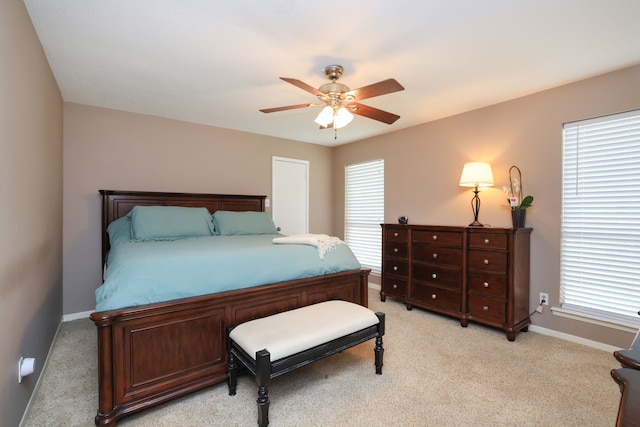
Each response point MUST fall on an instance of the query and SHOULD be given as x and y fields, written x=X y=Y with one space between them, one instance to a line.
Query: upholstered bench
x=274 y=345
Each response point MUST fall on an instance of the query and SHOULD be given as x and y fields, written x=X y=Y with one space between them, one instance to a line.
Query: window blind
x=600 y=248
x=364 y=211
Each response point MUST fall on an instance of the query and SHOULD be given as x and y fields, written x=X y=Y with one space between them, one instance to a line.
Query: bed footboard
x=150 y=354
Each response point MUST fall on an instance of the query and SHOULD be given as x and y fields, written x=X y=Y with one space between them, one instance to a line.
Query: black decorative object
x=404 y=220
x=518 y=217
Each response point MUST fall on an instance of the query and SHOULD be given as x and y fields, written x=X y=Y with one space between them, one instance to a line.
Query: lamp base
x=475 y=207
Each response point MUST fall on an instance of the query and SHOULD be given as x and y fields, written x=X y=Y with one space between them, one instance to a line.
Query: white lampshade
x=343 y=117
x=325 y=117
x=476 y=173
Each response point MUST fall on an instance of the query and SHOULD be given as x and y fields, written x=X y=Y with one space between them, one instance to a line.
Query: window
x=600 y=249
x=364 y=212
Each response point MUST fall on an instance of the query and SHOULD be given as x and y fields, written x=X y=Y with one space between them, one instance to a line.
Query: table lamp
x=476 y=174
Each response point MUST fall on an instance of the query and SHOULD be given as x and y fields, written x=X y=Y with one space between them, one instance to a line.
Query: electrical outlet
x=544 y=298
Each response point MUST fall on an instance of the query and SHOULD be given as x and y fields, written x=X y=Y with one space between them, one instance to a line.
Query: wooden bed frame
x=150 y=354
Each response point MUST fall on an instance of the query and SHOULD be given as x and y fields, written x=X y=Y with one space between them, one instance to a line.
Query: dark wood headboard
x=116 y=204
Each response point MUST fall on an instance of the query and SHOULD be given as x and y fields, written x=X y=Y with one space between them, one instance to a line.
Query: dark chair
x=630 y=358
x=628 y=410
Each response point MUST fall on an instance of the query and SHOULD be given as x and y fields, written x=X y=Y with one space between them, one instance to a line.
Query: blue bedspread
x=146 y=272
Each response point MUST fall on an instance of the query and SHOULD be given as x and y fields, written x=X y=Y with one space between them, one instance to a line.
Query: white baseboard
x=37 y=386
x=573 y=338
x=76 y=316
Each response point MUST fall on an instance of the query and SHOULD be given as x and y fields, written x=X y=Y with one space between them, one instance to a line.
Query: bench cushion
x=293 y=331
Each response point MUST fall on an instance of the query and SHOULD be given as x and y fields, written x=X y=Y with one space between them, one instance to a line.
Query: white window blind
x=364 y=211
x=600 y=249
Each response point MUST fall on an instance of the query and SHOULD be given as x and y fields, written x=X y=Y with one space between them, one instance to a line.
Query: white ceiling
x=217 y=62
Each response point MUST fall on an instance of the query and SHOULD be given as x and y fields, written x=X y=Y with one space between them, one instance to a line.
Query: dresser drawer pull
x=486 y=241
x=395 y=234
x=486 y=262
x=435 y=256
x=485 y=308
x=395 y=286
x=395 y=268
x=485 y=284
x=434 y=276
x=395 y=250
x=434 y=296
x=435 y=237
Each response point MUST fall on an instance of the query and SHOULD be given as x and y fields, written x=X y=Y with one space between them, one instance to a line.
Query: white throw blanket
x=323 y=242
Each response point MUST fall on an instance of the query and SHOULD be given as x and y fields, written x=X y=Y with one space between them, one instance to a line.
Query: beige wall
x=423 y=166
x=108 y=149
x=30 y=207
x=119 y=150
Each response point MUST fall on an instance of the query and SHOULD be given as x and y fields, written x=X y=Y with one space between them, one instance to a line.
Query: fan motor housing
x=334 y=88
x=333 y=72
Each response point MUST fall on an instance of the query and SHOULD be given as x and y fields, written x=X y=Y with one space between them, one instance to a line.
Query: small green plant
x=526 y=202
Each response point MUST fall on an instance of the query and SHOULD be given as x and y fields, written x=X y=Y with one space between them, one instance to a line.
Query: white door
x=290 y=195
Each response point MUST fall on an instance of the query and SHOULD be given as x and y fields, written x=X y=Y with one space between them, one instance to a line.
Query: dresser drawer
x=489 y=309
x=450 y=238
x=394 y=285
x=432 y=295
x=393 y=248
x=396 y=234
x=435 y=254
x=488 y=241
x=488 y=261
x=488 y=284
x=432 y=273
x=396 y=267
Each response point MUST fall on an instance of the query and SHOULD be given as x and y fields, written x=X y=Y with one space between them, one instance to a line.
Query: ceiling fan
x=340 y=102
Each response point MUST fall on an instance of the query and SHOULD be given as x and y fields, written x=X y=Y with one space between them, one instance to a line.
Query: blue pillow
x=229 y=223
x=119 y=231
x=169 y=223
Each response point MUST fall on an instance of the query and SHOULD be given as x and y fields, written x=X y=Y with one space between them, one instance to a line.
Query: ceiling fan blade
x=377 y=89
x=373 y=113
x=288 y=107
x=302 y=85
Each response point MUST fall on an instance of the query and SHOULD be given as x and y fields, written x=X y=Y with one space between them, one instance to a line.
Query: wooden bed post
x=105 y=371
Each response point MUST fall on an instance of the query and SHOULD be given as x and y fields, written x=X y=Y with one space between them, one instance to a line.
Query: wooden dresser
x=471 y=273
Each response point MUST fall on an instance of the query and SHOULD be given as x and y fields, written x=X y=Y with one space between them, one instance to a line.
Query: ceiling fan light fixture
x=339 y=100
x=342 y=118
x=325 y=117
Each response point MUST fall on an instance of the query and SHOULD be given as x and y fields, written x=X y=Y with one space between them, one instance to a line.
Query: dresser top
x=460 y=228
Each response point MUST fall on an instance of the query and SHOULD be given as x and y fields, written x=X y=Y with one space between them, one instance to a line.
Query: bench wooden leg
x=379 y=350
x=232 y=366
x=232 y=380
x=263 y=374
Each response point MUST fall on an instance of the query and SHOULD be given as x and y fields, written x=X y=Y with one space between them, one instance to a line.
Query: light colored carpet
x=435 y=373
